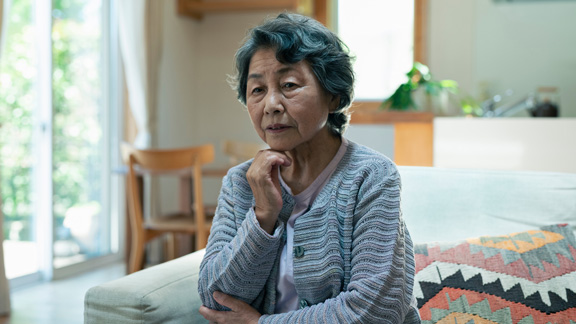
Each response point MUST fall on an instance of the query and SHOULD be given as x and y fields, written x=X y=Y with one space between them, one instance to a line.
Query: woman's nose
x=273 y=103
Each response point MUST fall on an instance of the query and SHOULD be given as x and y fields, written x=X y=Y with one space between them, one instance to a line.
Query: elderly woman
x=310 y=230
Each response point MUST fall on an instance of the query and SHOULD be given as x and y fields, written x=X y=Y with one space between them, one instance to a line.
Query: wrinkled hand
x=265 y=184
x=240 y=312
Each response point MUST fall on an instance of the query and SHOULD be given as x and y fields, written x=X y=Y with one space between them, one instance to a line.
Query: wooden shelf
x=370 y=113
x=413 y=131
x=196 y=8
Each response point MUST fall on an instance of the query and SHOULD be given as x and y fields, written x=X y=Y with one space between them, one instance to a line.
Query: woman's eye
x=257 y=90
x=289 y=85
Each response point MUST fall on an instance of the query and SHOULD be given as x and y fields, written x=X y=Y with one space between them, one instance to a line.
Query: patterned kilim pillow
x=526 y=277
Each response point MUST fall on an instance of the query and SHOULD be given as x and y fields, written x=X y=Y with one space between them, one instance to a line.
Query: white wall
x=177 y=119
x=450 y=42
x=196 y=104
x=500 y=45
x=503 y=45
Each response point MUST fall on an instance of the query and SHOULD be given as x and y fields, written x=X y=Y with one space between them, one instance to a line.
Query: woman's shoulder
x=237 y=173
x=241 y=168
x=359 y=157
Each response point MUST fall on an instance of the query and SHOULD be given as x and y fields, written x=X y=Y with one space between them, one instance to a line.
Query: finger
x=274 y=157
x=266 y=168
x=274 y=176
x=207 y=313
x=266 y=164
x=228 y=301
x=285 y=160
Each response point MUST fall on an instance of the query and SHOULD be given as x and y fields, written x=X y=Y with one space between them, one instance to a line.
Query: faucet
x=489 y=108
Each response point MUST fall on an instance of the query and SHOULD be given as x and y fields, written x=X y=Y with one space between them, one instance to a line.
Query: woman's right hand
x=265 y=184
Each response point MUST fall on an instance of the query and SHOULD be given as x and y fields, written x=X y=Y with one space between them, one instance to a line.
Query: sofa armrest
x=165 y=293
x=442 y=204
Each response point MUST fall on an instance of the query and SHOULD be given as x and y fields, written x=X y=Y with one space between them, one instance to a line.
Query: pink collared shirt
x=286 y=295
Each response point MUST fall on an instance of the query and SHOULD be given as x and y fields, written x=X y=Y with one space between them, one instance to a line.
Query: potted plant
x=422 y=93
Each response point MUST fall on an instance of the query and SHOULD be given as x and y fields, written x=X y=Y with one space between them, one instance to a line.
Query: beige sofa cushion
x=166 y=293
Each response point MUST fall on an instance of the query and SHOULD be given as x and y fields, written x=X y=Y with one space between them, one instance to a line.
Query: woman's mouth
x=276 y=128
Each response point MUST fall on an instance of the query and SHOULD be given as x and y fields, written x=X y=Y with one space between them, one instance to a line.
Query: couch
x=490 y=247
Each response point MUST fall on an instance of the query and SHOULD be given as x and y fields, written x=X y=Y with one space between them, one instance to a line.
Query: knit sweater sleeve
x=382 y=262
x=239 y=255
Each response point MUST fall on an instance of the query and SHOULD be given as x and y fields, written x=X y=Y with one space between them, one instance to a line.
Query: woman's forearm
x=240 y=264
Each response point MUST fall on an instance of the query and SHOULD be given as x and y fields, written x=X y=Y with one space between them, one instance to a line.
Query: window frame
x=321 y=9
x=112 y=119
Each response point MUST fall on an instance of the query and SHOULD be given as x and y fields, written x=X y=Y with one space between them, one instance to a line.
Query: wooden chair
x=185 y=163
x=239 y=151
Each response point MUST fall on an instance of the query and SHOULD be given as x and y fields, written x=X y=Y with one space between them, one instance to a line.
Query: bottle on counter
x=546 y=102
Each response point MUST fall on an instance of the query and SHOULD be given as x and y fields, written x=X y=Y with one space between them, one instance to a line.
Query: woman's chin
x=279 y=148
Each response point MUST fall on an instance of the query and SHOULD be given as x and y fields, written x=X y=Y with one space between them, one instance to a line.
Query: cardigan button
x=303 y=303
x=298 y=251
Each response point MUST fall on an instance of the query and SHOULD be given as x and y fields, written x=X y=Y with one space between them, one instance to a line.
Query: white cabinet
x=539 y=144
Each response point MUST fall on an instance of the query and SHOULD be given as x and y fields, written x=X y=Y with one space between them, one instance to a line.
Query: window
x=380 y=34
x=57 y=73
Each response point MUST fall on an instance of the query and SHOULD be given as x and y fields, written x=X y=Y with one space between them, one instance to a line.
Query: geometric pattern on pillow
x=526 y=277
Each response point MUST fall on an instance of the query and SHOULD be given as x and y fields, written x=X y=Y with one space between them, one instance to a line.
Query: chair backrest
x=159 y=160
x=239 y=151
x=181 y=161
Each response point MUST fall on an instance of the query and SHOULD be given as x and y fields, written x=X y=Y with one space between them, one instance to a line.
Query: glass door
x=79 y=163
x=18 y=102
x=55 y=102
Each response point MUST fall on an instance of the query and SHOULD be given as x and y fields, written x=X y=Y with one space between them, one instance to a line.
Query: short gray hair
x=296 y=38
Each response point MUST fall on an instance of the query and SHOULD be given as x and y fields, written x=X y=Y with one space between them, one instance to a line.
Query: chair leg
x=136 y=255
x=171 y=246
x=201 y=239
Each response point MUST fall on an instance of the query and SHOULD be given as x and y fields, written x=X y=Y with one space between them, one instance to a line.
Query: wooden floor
x=60 y=301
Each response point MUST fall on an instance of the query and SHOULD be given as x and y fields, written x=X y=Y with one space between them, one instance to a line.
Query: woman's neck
x=308 y=162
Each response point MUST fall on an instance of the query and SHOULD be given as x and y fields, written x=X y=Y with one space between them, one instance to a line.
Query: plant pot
x=442 y=104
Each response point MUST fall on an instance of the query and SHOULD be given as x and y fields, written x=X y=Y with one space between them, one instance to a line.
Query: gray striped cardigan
x=353 y=258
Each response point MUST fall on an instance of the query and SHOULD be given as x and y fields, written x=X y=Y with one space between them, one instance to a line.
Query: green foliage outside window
x=76 y=132
x=17 y=99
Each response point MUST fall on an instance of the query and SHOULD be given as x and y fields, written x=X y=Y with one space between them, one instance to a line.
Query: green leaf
x=449 y=84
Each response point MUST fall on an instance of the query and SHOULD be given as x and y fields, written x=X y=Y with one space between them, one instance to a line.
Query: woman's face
x=287 y=105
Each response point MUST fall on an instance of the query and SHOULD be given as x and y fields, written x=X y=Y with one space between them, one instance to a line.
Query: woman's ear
x=334 y=103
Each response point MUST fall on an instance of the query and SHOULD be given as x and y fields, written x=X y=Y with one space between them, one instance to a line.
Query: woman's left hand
x=240 y=312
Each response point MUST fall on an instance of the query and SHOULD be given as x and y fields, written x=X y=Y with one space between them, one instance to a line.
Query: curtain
x=140 y=28
x=140 y=36
x=4 y=289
